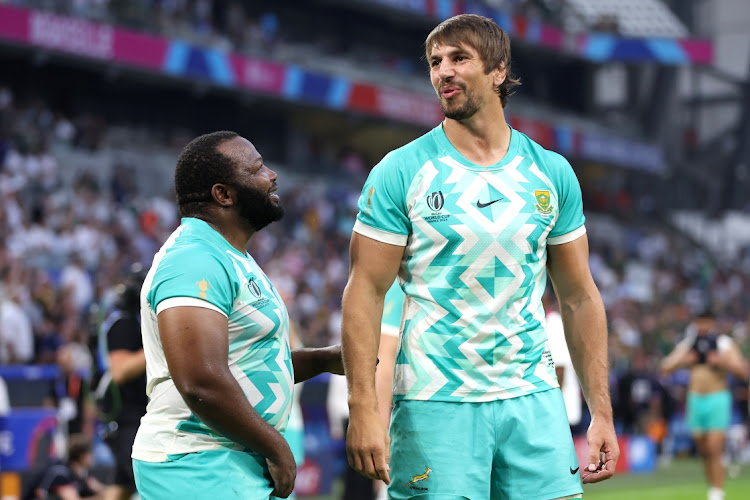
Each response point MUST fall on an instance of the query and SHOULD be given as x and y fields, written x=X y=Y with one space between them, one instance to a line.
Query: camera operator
x=127 y=368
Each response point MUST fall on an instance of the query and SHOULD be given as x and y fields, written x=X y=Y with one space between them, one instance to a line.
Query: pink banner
x=258 y=75
x=14 y=23
x=138 y=49
x=700 y=51
x=68 y=34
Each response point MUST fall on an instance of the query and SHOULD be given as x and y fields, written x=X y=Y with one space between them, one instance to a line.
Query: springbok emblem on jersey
x=543 y=205
x=421 y=477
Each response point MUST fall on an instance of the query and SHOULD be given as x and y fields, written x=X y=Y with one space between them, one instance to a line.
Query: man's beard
x=257 y=208
x=467 y=110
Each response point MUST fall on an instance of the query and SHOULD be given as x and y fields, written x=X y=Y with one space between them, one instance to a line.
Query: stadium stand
x=638 y=18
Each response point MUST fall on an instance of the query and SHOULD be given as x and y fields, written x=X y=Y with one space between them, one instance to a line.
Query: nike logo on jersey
x=483 y=205
x=573 y=471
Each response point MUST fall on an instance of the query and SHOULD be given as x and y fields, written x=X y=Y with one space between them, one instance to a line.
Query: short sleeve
x=382 y=204
x=193 y=273
x=570 y=218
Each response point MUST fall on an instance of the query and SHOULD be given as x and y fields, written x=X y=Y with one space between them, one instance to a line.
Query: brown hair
x=486 y=37
x=78 y=446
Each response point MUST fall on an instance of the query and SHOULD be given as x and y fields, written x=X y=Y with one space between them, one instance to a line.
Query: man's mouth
x=449 y=91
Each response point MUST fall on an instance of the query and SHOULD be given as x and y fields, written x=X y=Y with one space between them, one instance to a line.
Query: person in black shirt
x=127 y=367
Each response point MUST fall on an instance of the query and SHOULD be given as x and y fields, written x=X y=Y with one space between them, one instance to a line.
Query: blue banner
x=26 y=438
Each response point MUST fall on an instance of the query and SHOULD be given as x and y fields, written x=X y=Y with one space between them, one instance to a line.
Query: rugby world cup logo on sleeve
x=435 y=201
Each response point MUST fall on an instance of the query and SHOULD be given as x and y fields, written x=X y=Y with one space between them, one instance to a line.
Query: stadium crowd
x=65 y=246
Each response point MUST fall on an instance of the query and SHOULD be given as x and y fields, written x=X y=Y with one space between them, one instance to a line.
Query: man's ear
x=223 y=194
x=499 y=74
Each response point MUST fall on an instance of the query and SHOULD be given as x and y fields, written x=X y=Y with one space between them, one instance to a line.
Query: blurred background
x=648 y=99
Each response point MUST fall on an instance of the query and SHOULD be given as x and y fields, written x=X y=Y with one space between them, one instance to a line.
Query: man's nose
x=446 y=70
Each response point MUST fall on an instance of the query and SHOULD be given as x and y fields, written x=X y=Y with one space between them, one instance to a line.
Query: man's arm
x=373 y=268
x=126 y=358
x=70 y=492
x=585 y=327
x=730 y=360
x=682 y=356
x=126 y=365
x=309 y=363
x=196 y=346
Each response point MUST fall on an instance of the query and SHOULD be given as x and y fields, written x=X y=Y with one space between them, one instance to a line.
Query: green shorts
x=708 y=412
x=210 y=475
x=512 y=449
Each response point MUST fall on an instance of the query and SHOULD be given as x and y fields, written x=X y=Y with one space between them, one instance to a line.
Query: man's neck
x=232 y=232
x=482 y=139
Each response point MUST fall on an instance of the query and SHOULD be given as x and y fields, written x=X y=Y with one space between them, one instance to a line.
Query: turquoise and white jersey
x=393 y=304
x=474 y=267
x=197 y=267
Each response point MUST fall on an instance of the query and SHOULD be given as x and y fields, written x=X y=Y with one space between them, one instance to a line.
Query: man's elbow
x=195 y=389
x=583 y=297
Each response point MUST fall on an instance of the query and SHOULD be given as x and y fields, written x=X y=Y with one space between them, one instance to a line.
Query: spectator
x=69 y=392
x=67 y=479
x=16 y=336
x=127 y=367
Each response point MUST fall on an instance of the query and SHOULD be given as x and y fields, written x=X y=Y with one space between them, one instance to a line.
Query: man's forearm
x=360 y=334
x=585 y=326
x=126 y=365
x=222 y=405
x=738 y=366
x=309 y=363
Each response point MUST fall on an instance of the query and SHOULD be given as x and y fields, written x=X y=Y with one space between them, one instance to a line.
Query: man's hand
x=283 y=473
x=336 y=364
x=368 y=444
x=690 y=358
x=603 y=451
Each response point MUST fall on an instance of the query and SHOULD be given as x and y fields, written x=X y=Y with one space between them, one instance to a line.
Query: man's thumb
x=593 y=460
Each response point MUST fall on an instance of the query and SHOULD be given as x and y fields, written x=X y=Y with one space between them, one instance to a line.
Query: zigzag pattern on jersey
x=480 y=274
x=259 y=349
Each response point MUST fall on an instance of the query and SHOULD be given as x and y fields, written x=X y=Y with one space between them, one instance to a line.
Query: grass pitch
x=681 y=480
